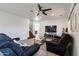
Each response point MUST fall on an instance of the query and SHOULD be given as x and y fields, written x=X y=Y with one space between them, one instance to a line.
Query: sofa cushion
x=7 y=52
x=4 y=39
x=25 y=48
x=16 y=48
x=64 y=40
x=2 y=43
x=32 y=50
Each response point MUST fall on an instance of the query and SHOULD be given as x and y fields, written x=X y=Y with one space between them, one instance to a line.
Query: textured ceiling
x=60 y=10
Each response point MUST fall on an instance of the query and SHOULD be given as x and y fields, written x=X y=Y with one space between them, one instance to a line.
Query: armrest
x=7 y=52
x=25 y=48
x=32 y=50
x=54 y=48
x=56 y=41
x=58 y=37
x=52 y=43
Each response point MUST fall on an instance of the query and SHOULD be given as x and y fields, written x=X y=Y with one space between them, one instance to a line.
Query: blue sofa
x=9 y=48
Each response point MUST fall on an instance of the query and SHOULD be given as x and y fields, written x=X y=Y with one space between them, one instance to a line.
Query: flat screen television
x=47 y=28
x=50 y=28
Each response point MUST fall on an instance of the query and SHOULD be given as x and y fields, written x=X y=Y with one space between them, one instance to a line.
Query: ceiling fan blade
x=47 y=9
x=44 y=13
x=39 y=7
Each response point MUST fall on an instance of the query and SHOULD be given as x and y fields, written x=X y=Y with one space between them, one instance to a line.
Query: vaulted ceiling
x=29 y=10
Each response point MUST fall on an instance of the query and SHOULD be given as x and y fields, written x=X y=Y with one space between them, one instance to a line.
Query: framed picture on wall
x=75 y=26
x=73 y=22
x=76 y=22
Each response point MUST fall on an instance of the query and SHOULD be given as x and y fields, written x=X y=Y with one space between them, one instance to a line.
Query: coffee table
x=38 y=41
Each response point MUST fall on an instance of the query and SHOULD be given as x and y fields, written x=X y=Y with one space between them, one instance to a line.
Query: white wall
x=61 y=23
x=14 y=26
x=75 y=31
x=31 y=26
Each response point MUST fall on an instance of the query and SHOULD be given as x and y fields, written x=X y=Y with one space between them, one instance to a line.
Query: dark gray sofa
x=9 y=48
x=61 y=47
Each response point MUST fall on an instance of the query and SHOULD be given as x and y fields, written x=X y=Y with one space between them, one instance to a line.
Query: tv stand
x=49 y=35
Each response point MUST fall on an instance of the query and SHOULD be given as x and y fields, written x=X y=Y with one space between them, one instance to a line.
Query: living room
x=27 y=25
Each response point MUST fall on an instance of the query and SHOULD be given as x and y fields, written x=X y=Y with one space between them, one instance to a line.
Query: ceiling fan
x=42 y=10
